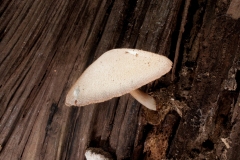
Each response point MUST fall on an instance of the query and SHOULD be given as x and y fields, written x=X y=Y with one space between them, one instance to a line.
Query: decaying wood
x=211 y=58
x=46 y=45
x=181 y=31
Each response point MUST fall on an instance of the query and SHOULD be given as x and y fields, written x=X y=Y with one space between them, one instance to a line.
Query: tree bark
x=46 y=45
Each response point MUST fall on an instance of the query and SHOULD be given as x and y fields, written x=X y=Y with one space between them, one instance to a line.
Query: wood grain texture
x=45 y=46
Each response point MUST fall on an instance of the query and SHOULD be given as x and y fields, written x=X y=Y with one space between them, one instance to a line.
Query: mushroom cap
x=97 y=154
x=115 y=73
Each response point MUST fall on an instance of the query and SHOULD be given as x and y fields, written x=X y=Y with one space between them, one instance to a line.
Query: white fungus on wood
x=97 y=154
x=117 y=72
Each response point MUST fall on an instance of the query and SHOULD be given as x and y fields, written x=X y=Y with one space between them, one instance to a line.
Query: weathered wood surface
x=46 y=45
x=209 y=82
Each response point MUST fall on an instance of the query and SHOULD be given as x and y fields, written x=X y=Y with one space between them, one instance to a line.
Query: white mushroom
x=117 y=72
x=97 y=154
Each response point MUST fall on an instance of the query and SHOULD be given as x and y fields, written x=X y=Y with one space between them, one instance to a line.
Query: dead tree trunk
x=46 y=45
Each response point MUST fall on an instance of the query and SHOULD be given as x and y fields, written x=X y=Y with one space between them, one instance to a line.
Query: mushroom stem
x=144 y=99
